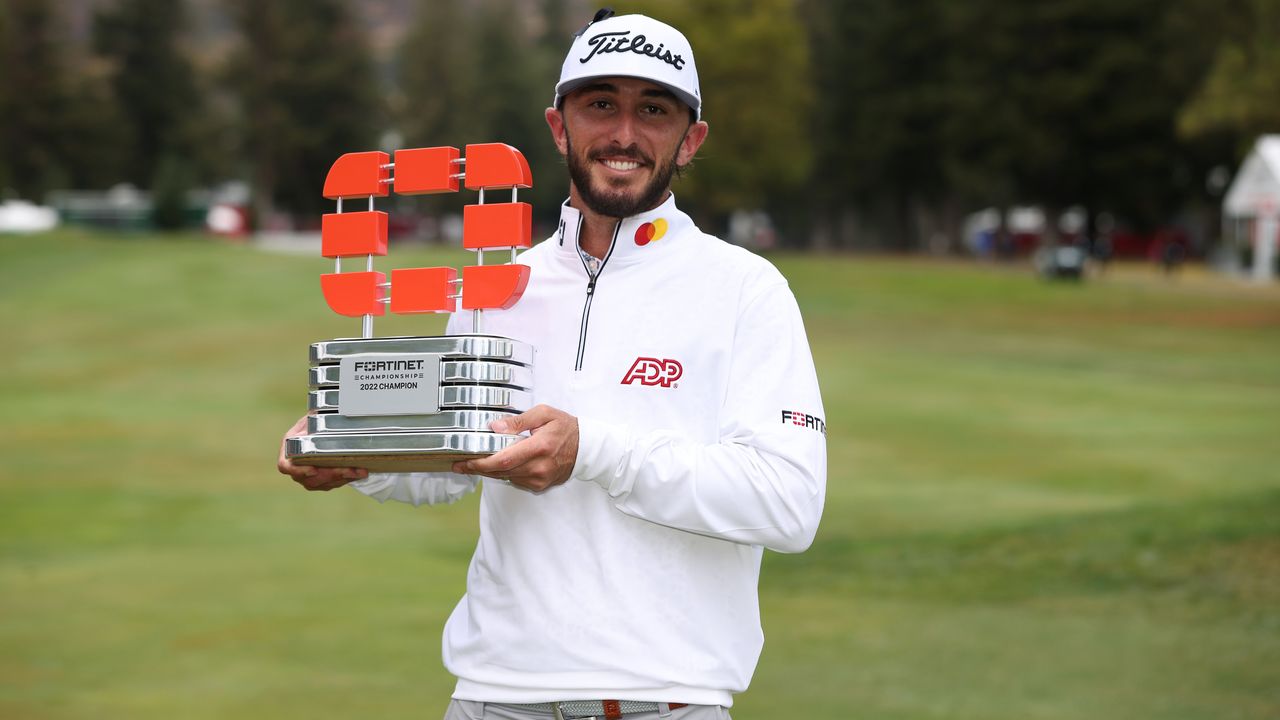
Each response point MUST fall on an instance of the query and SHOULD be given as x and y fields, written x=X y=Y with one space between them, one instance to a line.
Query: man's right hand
x=315 y=478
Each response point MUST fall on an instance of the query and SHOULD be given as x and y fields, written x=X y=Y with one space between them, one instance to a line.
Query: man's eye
x=600 y=104
x=654 y=110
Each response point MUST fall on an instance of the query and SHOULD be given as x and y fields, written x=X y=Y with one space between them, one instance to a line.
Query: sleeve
x=422 y=488
x=764 y=481
x=417 y=488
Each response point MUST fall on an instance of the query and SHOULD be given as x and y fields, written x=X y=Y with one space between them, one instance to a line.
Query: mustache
x=631 y=153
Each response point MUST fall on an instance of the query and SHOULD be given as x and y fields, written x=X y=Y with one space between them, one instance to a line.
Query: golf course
x=1045 y=501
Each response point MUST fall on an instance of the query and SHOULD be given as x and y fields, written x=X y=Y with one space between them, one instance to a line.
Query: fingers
x=326 y=479
x=310 y=477
x=502 y=463
x=321 y=478
x=544 y=459
x=317 y=478
x=530 y=420
x=283 y=464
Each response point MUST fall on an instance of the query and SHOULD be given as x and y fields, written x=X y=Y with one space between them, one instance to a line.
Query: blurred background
x=1034 y=245
x=983 y=128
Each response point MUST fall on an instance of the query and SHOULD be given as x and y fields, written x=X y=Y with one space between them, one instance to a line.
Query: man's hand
x=315 y=478
x=542 y=460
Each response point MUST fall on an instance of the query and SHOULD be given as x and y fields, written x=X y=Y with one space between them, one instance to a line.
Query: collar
x=637 y=237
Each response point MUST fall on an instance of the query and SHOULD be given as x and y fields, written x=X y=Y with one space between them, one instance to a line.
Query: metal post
x=475 y=314
x=366 y=322
x=337 y=261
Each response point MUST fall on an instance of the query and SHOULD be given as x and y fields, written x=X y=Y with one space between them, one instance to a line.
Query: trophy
x=399 y=404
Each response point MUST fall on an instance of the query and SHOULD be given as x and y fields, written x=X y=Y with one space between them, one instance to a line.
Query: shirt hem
x=487 y=692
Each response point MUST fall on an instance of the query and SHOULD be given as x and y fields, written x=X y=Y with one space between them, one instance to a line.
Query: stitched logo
x=654 y=371
x=804 y=420
x=616 y=42
x=651 y=232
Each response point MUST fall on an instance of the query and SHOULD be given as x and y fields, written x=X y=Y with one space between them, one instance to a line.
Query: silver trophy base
x=480 y=378
x=395 y=452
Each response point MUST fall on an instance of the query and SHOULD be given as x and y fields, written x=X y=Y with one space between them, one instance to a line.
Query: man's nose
x=625 y=130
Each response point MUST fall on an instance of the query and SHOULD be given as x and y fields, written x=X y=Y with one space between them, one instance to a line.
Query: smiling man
x=619 y=556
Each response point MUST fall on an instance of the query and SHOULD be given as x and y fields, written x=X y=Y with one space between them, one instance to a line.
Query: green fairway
x=1044 y=501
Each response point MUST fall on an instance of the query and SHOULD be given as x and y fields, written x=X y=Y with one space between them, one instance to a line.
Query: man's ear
x=693 y=139
x=555 y=120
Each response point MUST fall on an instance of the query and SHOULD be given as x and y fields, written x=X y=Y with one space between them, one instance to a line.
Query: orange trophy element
x=420 y=171
x=418 y=403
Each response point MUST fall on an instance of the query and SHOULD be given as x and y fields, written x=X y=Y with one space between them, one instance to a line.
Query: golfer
x=679 y=430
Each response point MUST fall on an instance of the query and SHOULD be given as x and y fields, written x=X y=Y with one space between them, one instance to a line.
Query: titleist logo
x=613 y=42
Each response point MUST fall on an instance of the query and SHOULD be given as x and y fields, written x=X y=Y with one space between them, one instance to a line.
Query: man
x=679 y=430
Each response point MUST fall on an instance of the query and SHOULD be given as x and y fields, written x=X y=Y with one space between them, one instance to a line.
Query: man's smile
x=620 y=165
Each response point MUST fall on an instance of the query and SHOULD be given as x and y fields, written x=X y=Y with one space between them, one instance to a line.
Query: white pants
x=468 y=710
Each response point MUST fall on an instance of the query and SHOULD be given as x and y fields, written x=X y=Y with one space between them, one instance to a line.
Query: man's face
x=623 y=139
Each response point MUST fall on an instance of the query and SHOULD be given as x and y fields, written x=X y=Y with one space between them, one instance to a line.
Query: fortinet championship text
x=383 y=374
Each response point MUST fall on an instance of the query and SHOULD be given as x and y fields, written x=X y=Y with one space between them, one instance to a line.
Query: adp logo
x=654 y=371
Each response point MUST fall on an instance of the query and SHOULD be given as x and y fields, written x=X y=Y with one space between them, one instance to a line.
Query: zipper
x=591 y=291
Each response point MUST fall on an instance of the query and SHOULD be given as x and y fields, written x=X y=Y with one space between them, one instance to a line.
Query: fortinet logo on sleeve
x=804 y=420
x=654 y=371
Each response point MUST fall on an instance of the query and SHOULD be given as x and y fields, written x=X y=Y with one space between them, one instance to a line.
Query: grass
x=1045 y=501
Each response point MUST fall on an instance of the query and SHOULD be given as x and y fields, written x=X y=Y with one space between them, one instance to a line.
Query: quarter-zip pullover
x=701 y=442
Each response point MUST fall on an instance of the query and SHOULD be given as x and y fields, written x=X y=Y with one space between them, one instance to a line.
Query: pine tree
x=60 y=125
x=307 y=94
x=754 y=68
x=1241 y=92
x=153 y=81
x=471 y=74
x=438 y=76
x=35 y=99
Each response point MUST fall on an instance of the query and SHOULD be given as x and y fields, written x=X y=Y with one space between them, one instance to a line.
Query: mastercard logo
x=650 y=232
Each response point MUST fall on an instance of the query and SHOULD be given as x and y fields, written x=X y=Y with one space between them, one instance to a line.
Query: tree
x=931 y=108
x=169 y=193
x=307 y=93
x=1241 y=93
x=34 y=98
x=153 y=81
x=438 y=75
x=880 y=71
x=60 y=124
x=469 y=74
x=6 y=101
x=754 y=69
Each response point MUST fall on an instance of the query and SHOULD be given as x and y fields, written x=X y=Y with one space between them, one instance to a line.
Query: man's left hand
x=542 y=460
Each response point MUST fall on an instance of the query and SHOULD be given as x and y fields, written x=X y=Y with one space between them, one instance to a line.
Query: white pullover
x=702 y=441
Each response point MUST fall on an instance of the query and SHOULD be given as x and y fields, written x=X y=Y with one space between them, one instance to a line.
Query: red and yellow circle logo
x=651 y=231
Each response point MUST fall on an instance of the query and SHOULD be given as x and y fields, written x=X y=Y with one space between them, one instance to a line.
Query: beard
x=618 y=203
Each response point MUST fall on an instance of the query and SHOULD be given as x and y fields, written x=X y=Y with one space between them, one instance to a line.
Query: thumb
x=509 y=425
x=530 y=419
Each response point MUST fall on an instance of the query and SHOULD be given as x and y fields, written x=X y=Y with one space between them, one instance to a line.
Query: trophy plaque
x=402 y=404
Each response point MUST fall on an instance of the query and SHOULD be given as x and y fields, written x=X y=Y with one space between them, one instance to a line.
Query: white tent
x=1253 y=200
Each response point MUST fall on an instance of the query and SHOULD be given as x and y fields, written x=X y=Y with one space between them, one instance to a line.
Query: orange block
x=423 y=290
x=358 y=175
x=496 y=166
x=497 y=225
x=353 y=294
x=355 y=233
x=422 y=171
x=493 y=287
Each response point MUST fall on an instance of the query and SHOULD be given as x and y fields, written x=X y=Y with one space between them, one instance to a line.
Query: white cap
x=632 y=46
